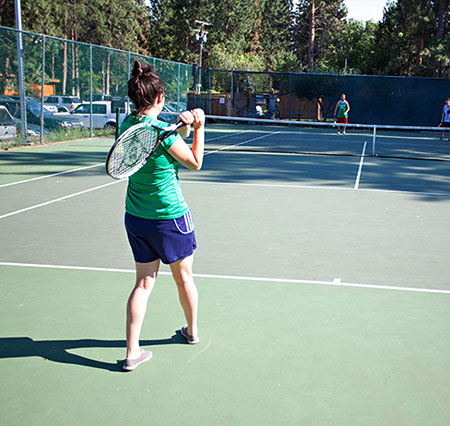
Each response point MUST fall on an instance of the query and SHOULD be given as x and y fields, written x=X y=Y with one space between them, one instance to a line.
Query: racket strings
x=133 y=151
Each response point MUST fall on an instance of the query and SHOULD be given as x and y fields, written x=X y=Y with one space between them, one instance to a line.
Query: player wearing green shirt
x=154 y=192
x=158 y=221
x=341 y=112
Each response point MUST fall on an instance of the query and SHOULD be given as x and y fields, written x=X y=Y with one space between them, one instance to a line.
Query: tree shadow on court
x=32 y=163
x=57 y=350
x=423 y=179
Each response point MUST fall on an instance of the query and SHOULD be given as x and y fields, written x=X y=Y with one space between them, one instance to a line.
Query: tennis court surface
x=323 y=279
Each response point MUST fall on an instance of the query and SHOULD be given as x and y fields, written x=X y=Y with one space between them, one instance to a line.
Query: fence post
x=232 y=93
x=128 y=77
x=117 y=122
x=290 y=96
x=91 y=124
x=178 y=87
x=194 y=89
x=23 y=100
x=209 y=84
x=42 y=90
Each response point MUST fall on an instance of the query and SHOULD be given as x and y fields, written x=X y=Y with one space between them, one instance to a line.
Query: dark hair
x=144 y=87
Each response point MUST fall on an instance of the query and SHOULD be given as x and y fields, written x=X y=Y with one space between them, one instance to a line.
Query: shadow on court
x=44 y=161
x=336 y=171
x=57 y=350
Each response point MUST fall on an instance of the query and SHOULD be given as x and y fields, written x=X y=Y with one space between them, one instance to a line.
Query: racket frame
x=163 y=133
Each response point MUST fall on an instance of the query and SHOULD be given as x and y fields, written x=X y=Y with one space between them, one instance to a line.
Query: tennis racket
x=134 y=147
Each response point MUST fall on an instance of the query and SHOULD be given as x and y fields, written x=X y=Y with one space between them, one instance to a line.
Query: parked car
x=33 y=130
x=62 y=103
x=103 y=113
x=8 y=128
x=51 y=121
x=51 y=108
x=168 y=114
x=96 y=97
x=177 y=106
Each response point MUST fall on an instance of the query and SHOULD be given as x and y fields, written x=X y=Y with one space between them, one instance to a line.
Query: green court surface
x=324 y=293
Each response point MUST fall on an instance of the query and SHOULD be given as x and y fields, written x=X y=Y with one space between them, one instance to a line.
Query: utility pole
x=201 y=37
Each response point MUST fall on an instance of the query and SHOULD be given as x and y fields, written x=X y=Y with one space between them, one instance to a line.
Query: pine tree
x=314 y=23
x=275 y=41
x=413 y=38
x=7 y=13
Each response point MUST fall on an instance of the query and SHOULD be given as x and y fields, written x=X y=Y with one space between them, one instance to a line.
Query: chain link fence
x=59 y=74
x=377 y=100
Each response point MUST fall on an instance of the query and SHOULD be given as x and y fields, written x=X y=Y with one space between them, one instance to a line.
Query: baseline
x=335 y=283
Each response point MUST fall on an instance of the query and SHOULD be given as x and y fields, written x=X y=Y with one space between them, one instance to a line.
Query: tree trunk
x=312 y=36
x=420 y=40
x=440 y=34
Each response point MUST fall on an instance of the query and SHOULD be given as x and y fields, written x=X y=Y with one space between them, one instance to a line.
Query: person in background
x=341 y=112
x=445 y=119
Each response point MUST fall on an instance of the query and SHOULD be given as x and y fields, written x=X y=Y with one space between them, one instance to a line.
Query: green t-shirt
x=154 y=191
x=342 y=107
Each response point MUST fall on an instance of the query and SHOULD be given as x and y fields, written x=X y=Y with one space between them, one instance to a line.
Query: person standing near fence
x=445 y=119
x=341 y=112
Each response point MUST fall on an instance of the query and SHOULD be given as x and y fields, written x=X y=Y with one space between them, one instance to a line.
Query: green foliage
x=328 y=21
x=421 y=50
x=355 y=43
x=255 y=35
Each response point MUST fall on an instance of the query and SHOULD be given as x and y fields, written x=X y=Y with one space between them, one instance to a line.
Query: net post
x=374 y=137
x=41 y=136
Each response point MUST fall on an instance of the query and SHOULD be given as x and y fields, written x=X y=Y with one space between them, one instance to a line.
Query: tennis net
x=325 y=138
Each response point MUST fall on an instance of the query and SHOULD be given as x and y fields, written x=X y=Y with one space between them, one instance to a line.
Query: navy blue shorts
x=169 y=240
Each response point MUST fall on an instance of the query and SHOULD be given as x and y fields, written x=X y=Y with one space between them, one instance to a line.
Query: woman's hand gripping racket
x=134 y=147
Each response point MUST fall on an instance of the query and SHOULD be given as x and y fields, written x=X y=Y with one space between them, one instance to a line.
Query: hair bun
x=147 y=71
x=137 y=69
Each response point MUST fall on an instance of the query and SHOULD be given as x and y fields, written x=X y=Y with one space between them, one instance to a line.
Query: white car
x=8 y=128
x=103 y=113
x=61 y=103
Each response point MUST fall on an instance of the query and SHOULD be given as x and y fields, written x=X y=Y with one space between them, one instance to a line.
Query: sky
x=365 y=10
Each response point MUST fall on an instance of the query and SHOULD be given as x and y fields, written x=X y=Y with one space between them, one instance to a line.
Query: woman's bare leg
x=146 y=274
x=187 y=291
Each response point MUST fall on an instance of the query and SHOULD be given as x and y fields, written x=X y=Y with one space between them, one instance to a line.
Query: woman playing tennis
x=157 y=219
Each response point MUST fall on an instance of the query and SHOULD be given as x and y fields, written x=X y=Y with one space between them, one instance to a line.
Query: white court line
x=227 y=183
x=358 y=177
x=333 y=188
x=241 y=143
x=336 y=281
x=59 y=199
x=51 y=175
x=226 y=136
